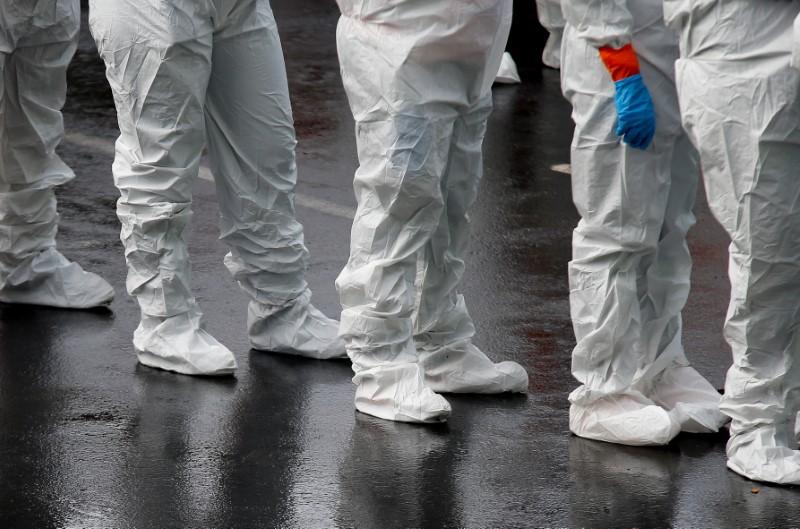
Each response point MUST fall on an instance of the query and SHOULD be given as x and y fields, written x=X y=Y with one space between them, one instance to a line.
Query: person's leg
x=552 y=19
x=407 y=89
x=666 y=274
x=402 y=157
x=33 y=89
x=444 y=329
x=630 y=240
x=157 y=63
x=678 y=387
x=741 y=107
x=252 y=151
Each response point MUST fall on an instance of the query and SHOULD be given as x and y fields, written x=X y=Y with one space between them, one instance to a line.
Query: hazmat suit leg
x=443 y=328
x=37 y=43
x=630 y=272
x=411 y=92
x=256 y=174
x=741 y=107
x=158 y=62
x=552 y=19
x=393 y=222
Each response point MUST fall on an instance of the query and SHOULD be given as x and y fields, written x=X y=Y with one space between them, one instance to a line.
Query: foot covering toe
x=180 y=344
x=463 y=368
x=298 y=329
x=758 y=454
x=397 y=392
x=51 y=280
x=623 y=419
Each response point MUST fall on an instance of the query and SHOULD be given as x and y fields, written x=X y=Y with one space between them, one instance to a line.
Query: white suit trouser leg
x=740 y=101
x=174 y=85
x=552 y=19
x=33 y=89
x=443 y=326
x=393 y=224
x=419 y=99
x=630 y=272
x=256 y=174
x=32 y=127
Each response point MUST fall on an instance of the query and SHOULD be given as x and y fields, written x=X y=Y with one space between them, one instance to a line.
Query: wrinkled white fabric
x=552 y=19
x=184 y=73
x=297 y=328
x=796 y=44
x=180 y=344
x=630 y=271
x=418 y=76
x=739 y=98
x=630 y=419
x=37 y=42
x=608 y=22
x=507 y=73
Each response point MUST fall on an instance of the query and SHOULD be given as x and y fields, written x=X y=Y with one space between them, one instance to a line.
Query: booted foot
x=397 y=392
x=180 y=344
x=690 y=398
x=623 y=419
x=463 y=368
x=50 y=279
x=297 y=328
x=761 y=454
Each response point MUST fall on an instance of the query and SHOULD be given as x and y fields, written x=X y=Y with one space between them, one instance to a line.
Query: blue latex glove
x=636 y=117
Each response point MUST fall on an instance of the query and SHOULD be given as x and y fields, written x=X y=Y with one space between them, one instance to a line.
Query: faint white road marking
x=106 y=147
x=563 y=168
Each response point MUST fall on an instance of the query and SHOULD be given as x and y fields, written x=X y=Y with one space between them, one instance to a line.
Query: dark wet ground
x=90 y=439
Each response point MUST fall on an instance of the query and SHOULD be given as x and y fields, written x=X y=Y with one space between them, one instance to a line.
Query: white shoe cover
x=297 y=329
x=690 y=398
x=52 y=280
x=759 y=455
x=179 y=343
x=624 y=419
x=507 y=74
x=463 y=368
x=397 y=392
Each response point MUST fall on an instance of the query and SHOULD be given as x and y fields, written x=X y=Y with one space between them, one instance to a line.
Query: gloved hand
x=636 y=117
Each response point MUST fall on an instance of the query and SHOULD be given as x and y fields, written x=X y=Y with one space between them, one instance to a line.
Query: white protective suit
x=418 y=75
x=552 y=19
x=630 y=271
x=37 y=42
x=739 y=98
x=183 y=73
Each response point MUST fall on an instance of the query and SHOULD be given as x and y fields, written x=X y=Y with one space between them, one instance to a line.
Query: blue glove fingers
x=635 y=112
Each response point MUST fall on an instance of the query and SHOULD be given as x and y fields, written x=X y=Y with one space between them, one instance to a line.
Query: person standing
x=418 y=76
x=634 y=180
x=37 y=42
x=740 y=102
x=186 y=74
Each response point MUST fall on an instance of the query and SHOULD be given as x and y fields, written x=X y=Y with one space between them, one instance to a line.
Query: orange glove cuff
x=621 y=63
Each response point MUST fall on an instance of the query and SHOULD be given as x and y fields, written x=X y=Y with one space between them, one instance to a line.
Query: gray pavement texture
x=88 y=438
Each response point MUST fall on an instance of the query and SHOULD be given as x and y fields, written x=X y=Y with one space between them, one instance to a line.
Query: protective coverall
x=739 y=98
x=552 y=19
x=418 y=75
x=630 y=270
x=185 y=73
x=37 y=42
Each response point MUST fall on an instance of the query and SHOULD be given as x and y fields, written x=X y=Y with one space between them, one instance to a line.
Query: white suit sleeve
x=600 y=22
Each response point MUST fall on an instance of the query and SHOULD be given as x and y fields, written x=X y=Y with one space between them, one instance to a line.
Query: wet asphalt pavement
x=88 y=438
